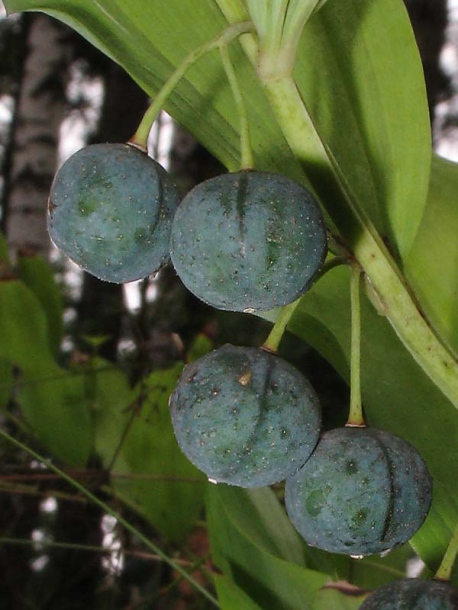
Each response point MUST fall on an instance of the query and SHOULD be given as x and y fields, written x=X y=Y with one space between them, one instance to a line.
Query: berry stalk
x=355 y=417
x=246 y=154
x=445 y=569
x=140 y=137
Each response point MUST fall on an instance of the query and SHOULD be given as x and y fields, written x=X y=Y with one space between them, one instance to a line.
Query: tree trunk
x=429 y=22
x=39 y=113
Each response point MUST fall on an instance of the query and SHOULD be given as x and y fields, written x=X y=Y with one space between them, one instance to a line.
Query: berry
x=245 y=416
x=362 y=491
x=413 y=594
x=248 y=241
x=110 y=211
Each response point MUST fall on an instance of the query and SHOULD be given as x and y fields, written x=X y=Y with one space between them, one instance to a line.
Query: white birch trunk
x=39 y=114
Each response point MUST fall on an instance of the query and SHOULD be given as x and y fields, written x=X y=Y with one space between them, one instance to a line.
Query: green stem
x=275 y=336
x=246 y=154
x=286 y=313
x=355 y=417
x=105 y=507
x=279 y=25
x=445 y=569
x=140 y=138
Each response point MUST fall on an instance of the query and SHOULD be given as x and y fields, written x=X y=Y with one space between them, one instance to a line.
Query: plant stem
x=105 y=507
x=279 y=25
x=275 y=336
x=246 y=154
x=445 y=569
x=140 y=138
x=355 y=417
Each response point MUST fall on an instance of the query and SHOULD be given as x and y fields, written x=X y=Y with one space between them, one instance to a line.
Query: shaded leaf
x=24 y=340
x=171 y=496
x=432 y=264
x=232 y=597
x=38 y=276
x=54 y=405
x=271 y=582
x=111 y=401
x=6 y=383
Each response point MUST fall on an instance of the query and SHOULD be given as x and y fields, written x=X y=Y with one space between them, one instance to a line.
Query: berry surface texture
x=245 y=416
x=248 y=241
x=110 y=211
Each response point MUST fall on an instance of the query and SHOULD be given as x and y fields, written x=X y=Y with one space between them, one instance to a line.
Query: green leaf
x=38 y=276
x=431 y=266
x=171 y=495
x=52 y=400
x=6 y=383
x=23 y=328
x=111 y=400
x=260 y=517
x=232 y=597
x=54 y=405
x=269 y=580
x=348 y=73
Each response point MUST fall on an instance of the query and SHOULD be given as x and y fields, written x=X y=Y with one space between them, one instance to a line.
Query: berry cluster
x=246 y=241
